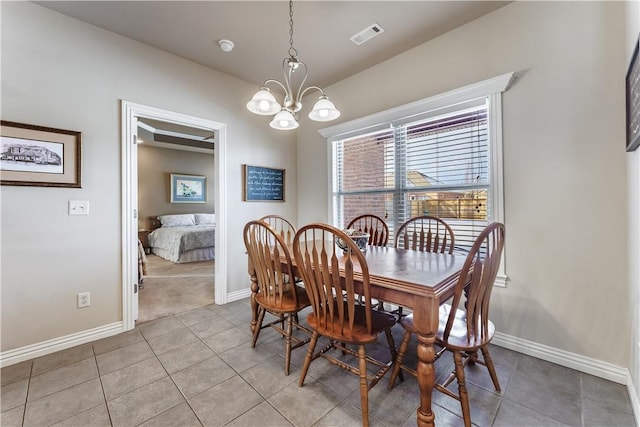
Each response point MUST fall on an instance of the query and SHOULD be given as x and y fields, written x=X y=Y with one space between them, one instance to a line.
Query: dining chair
x=277 y=293
x=332 y=278
x=465 y=328
x=375 y=226
x=282 y=226
x=425 y=233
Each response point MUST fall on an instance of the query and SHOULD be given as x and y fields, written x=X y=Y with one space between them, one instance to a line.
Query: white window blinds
x=435 y=166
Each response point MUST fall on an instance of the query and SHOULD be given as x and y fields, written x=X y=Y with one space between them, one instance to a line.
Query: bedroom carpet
x=171 y=288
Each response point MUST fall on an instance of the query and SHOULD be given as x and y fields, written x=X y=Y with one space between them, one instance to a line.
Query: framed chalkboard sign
x=262 y=184
x=633 y=102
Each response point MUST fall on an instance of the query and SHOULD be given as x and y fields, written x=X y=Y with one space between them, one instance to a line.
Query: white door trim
x=130 y=114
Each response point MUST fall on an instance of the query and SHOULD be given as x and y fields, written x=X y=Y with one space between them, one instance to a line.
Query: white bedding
x=183 y=244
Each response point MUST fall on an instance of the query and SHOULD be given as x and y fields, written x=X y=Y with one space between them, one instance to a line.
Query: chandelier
x=265 y=104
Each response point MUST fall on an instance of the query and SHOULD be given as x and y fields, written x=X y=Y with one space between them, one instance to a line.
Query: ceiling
x=260 y=31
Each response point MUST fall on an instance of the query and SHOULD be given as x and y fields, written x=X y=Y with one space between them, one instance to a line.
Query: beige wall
x=62 y=73
x=155 y=166
x=633 y=176
x=566 y=186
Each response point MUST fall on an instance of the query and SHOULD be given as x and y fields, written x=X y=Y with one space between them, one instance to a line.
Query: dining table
x=418 y=280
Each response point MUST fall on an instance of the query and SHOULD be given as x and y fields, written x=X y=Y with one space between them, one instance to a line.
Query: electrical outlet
x=84 y=299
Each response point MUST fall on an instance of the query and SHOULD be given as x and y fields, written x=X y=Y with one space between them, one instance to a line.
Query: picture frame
x=39 y=156
x=188 y=188
x=632 y=81
x=263 y=184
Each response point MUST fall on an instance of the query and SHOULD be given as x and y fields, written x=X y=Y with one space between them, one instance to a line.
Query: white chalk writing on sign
x=264 y=183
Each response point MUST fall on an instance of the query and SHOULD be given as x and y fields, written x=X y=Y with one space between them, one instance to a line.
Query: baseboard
x=238 y=295
x=633 y=396
x=28 y=352
x=575 y=361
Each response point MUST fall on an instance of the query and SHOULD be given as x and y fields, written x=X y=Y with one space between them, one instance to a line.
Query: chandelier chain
x=292 y=50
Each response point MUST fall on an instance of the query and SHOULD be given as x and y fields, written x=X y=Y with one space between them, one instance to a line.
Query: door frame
x=129 y=165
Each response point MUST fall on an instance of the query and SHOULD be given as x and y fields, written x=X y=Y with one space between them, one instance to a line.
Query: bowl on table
x=359 y=237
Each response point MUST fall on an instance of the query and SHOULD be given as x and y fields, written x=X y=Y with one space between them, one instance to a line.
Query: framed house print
x=39 y=156
x=188 y=188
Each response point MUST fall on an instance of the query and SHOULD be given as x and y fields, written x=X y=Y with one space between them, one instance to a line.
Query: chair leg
x=397 y=365
x=492 y=370
x=462 y=388
x=364 y=388
x=308 y=357
x=392 y=348
x=256 y=331
x=287 y=351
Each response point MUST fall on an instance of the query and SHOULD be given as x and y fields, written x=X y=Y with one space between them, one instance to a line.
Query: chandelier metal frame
x=265 y=103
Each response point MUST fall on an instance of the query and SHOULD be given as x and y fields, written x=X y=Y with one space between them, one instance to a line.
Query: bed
x=183 y=238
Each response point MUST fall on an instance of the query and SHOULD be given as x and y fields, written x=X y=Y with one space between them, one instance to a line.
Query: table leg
x=425 y=320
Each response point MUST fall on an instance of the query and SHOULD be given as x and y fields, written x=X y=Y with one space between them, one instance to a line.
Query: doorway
x=131 y=115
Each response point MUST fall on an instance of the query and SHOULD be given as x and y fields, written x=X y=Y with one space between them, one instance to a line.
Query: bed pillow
x=205 y=219
x=177 y=220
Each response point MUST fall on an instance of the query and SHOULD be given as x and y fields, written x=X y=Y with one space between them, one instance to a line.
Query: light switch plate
x=78 y=207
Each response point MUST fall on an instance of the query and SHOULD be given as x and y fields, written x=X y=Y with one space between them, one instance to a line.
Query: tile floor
x=198 y=368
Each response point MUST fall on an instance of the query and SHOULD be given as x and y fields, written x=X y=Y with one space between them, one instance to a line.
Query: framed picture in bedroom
x=39 y=156
x=633 y=102
x=188 y=188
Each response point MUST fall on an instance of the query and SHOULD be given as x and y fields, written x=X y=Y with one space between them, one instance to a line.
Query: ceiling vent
x=367 y=34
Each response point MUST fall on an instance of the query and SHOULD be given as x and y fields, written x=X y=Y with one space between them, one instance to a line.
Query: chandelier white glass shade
x=295 y=75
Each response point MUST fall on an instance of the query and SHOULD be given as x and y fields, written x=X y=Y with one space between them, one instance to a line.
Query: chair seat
x=379 y=320
x=288 y=304
x=458 y=336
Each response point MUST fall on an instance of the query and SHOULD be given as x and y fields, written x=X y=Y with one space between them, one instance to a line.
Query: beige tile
x=160 y=326
x=12 y=417
x=172 y=340
x=124 y=380
x=14 y=394
x=185 y=356
x=210 y=327
x=244 y=357
x=117 y=341
x=268 y=377
x=61 y=378
x=62 y=358
x=232 y=398
x=94 y=417
x=202 y=375
x=261 y=415
x=144 y=403
x=16 y=372
x=180 y=415
x=64 y=404
x=123 y=357
x=293 y=402
x=198 y=315
x=227 y=340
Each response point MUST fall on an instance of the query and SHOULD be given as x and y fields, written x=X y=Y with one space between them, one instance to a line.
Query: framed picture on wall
x=188 y=188
x=39 y=156
x=262 y=184
x=633 y=102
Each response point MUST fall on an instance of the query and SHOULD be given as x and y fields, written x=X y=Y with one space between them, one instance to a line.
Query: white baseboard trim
x=633 y=396
x=21 y=354
x=575 y=361
x=238 y=295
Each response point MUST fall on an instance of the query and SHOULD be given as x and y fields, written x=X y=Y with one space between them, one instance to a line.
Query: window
x=420 y=160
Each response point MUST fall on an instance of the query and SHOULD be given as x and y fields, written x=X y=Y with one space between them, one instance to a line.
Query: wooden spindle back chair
x=374 y=225
x=277 y=294
x=333 y=277
x=465 y=328
x=425 y=233
x=282 y=226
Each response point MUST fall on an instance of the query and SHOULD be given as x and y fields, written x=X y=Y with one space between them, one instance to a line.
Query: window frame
x=491 y=89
